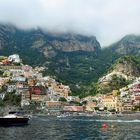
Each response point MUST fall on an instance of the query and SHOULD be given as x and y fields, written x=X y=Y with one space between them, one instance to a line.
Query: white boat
x=120 y=115
x=62 y=116
x=13 y=119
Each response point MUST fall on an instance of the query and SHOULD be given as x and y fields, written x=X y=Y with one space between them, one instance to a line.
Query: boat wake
x=101 y=120
x=123 y=121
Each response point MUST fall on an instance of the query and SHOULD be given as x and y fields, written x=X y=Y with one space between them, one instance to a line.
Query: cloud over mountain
x=109 y=20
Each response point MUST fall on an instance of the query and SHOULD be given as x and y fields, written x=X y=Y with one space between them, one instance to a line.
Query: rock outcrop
x=129 y=44
x=119 y=75
x=47 y=43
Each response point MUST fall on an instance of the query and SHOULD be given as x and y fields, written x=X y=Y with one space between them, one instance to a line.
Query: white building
x=14 y=58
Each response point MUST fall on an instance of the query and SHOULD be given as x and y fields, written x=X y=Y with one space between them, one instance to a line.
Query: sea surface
x=74 y=128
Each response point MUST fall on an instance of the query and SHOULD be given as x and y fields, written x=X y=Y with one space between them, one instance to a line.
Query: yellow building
x=61 y=89
x=38 y=98
x=110 y=102
x=90 y=106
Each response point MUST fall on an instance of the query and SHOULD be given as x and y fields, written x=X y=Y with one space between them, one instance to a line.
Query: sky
x=108 y=20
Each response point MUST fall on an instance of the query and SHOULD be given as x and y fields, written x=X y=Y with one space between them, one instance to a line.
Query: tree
x=96 y=108
x=1 y=102
x=1 y=73
x=75 y=103
x=62 y=99
x=84 y=102
x=118 y=82
x=93 y=88
x=12 y=99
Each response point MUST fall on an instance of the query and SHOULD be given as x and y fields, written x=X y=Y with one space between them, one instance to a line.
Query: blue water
x=74 y=128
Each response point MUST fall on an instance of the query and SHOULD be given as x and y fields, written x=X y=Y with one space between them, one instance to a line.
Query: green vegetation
x=1 y=73
x=72 y=68
x=11 y=99
x=134 y=60
x=136 y=108
x=62 y=99
x=1 y=102
x=118 y=82
x=75 y=103
x=93 y=90
x=80 y=68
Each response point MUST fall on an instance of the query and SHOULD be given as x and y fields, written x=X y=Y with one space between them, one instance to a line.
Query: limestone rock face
x=122 y=71
x=129 y=44
x=76 y=43
x=48 y=43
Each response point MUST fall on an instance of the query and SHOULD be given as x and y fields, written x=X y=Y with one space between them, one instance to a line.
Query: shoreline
x=87 y=114
x=6 y=109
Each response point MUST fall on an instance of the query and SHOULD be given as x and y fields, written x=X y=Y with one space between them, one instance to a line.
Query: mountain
x=47 y=43
x=72 y=58
x=129 y=44
x=120 y=74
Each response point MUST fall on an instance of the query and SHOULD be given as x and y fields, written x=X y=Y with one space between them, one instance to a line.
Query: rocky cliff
x=129 y=44
x=47 y=43
x=123 y=71
x=74 y=59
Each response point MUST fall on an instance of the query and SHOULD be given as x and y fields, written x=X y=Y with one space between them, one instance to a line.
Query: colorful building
x=54 y=105
x=110 y=102
x=73 y=108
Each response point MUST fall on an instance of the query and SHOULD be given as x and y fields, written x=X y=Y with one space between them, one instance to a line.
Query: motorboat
x=62 y=116
x=119 y=115
x=13 y=119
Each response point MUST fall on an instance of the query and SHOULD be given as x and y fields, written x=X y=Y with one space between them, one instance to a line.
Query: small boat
x=13 y=119
x=62 y=116
x=119 y=115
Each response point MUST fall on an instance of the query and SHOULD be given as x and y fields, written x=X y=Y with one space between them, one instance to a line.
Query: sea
x=43 y=127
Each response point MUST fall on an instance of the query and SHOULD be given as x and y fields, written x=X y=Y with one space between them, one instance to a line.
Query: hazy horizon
x=108 y=20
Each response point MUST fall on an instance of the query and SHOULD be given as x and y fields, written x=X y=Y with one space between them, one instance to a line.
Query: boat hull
x=13 y=121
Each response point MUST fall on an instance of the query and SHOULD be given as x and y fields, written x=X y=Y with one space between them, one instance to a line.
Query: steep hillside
x=47 y=43
x=72 y=58
x=121 y=73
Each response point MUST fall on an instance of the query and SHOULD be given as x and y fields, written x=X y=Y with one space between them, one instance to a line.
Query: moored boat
x=13 y=119
x=62 y=116
x=119 y=115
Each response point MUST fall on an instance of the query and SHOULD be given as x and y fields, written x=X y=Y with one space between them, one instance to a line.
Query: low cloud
x=108 y=20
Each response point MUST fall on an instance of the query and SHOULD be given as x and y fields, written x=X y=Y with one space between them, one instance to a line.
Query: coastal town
x=45 y=94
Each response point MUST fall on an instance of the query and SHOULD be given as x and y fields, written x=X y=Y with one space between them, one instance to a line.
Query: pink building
x=73 y=108
x=26 y=68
